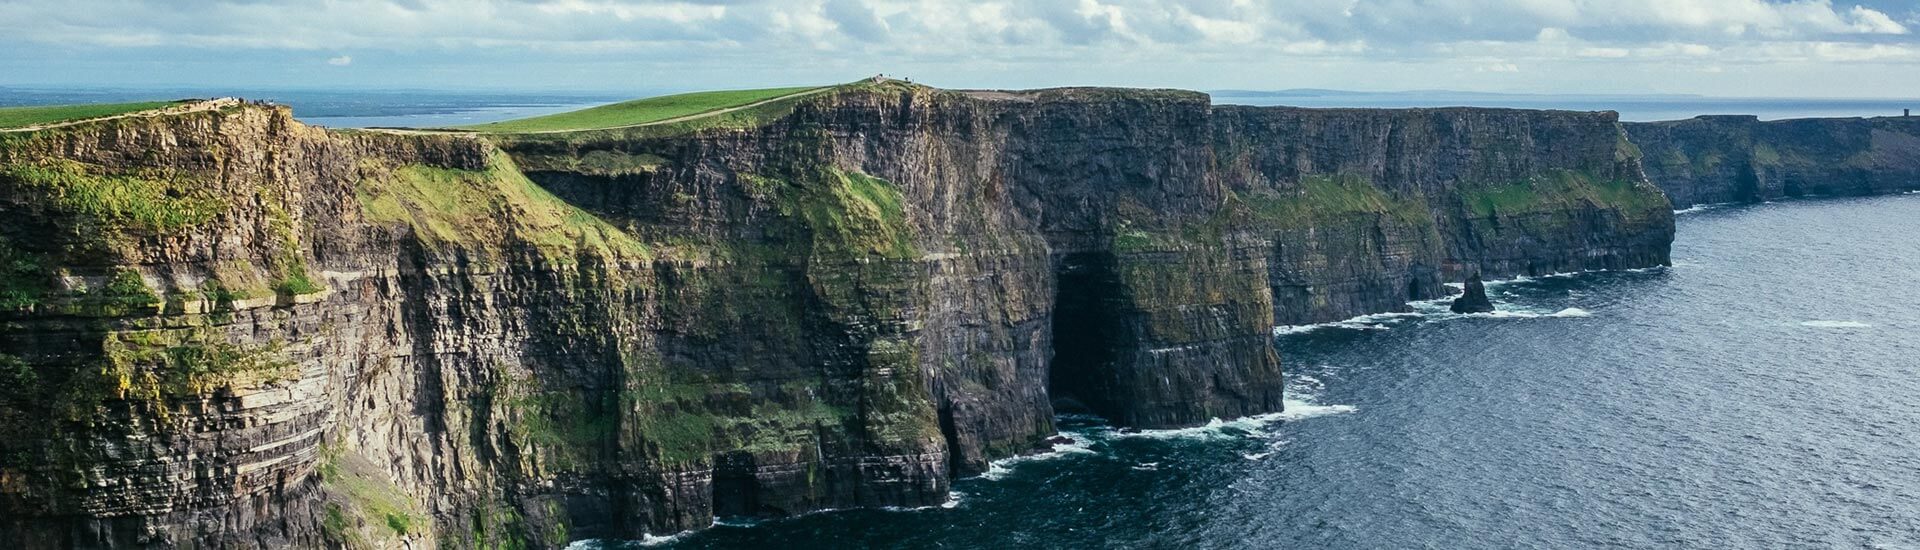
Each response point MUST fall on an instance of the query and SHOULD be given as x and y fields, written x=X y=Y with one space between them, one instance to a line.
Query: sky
x=1736 y=48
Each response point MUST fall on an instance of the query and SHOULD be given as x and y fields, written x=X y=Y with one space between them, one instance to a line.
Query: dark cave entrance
x=1089 y=330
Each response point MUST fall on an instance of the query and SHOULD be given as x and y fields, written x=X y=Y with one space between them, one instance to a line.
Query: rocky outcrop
x=1473 y=297
x=1737 y=159
x=1370 y=209
x=224 y=328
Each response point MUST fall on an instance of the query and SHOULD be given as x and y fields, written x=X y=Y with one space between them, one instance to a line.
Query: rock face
x=1370 y=209
x=225 y=328
x=1474 y=298
x=1734 y=159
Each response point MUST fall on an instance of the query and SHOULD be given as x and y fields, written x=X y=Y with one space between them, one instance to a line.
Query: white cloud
x=340 y=61
x=1875 y=22
x=1107 y=41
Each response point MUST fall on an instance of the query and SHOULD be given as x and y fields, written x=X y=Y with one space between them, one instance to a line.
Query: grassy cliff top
x=653 y=110
x=22 y=117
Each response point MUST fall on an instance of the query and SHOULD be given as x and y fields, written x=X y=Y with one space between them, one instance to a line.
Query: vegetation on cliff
x=652 y=110
x=482 y=210
x=1562 y=189
x=21 y=117
x=1320 y=198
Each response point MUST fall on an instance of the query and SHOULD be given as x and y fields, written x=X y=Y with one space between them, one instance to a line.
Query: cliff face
x=1369 y=209
x=1723 y=159
x=226 y=328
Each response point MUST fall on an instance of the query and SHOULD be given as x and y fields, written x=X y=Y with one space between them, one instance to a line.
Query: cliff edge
x=225 y=328
x=1740 y=159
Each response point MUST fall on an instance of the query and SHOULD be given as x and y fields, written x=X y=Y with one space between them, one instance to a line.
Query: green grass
x=639 y=111
x=18 y=117
x=156 y=202
x=852 y=214
x=488 y=208
x=1322 y=197
x=1558 y=190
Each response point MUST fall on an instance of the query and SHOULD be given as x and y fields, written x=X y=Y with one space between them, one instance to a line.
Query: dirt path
x=181 y=109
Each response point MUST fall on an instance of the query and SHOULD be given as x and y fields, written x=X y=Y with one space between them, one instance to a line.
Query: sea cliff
x=225 y=328
x=1740 y=159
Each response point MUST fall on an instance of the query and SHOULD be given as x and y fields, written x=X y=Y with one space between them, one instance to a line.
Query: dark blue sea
x=1764 y=392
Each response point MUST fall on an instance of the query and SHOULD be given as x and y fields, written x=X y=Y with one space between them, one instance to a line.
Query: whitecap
x=1147 y=466
x=953 y=501
x=1695 y=208
x=1572 y=312
x=1256 y=456
x=1375 y=321
x=653 y=540
x=1080 y=444
x=1233 y=429
x=1836 y=324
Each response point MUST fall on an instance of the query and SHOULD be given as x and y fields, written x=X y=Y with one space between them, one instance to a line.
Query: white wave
x=1147 y=466
x=645 y=540
x=652 y=540
x=1376 y=321
x=741 y=521
x=1256 y=456
x=1225 y=429
x=1571 y=312
x=1695 y=208
x=953 y=501
x=1836 y=324
x=1081 y=444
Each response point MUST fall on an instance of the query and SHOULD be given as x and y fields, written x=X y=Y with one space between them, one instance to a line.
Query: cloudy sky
x=1798 y=48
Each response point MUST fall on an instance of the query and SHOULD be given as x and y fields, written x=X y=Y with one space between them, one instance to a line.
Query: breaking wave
x=1836 y=324
x=1081 y=442
x=1377 y=321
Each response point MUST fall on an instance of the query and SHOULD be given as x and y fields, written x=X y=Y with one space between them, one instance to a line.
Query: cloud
x=340 y=61
x=1116 y=41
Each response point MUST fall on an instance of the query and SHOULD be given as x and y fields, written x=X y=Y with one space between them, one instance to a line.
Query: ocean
x=1757 y=394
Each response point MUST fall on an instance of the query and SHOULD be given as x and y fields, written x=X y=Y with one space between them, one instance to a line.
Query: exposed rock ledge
x=847 y=300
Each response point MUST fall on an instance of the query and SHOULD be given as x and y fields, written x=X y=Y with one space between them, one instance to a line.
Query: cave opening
x=1089 y=330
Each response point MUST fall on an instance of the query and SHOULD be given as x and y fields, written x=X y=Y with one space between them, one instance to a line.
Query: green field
x=17 y=117
x=639 y=111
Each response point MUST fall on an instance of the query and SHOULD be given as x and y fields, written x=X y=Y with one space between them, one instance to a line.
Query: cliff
x=1730 y=159
x=1370 y=209
x=224 y=328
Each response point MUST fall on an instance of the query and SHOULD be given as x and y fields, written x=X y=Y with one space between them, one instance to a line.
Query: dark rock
x=1740 y=159
x=1474 y=300
x=845 y=301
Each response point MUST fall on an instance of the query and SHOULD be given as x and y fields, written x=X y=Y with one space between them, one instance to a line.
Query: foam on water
x=1082 y=444
x=1695 y=208
x=645 y=540
x=953 y=501
x=1377 y=321
x=1836 y=324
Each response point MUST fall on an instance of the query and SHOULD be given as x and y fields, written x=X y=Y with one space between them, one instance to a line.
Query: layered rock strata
x=225 y=328
x=1740 y=159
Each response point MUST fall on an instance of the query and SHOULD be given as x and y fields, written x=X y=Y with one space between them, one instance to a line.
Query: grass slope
x=639 y=111
x=18 y=117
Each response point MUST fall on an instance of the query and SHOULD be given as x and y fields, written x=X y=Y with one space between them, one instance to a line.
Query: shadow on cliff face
x=1088 y=327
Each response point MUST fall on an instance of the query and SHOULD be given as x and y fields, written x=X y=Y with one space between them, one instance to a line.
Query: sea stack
x=1475 y=299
